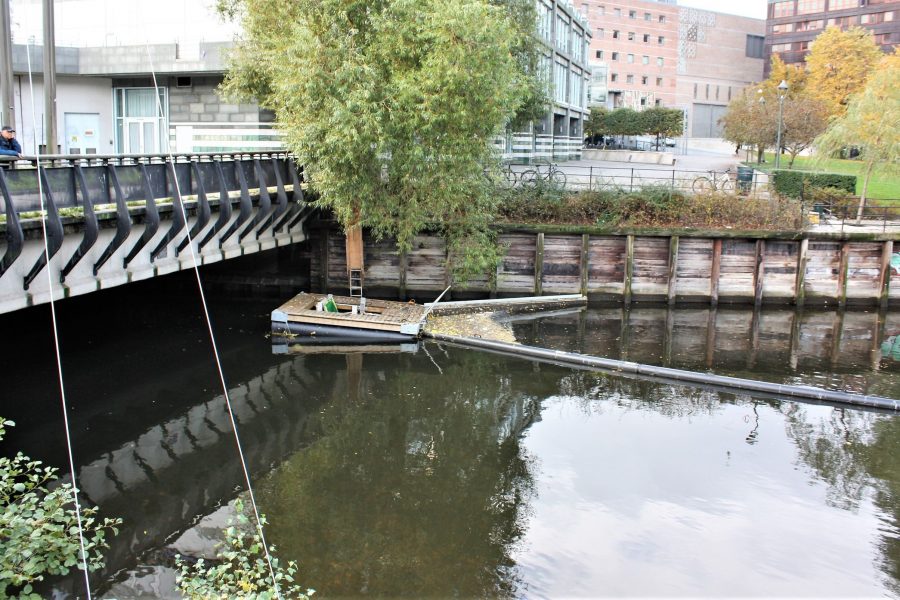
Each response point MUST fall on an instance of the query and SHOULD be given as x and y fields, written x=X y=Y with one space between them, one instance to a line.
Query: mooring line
x=59 y=369
x=212 y=338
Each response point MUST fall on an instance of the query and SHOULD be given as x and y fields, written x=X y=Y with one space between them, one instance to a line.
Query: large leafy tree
x=749 y=122
x=871 y=125
x=804 y=119
x=838 y=65
x=391 y=105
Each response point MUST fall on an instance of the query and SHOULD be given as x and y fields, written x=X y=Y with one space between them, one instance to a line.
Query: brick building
x=793 y=24
x=646 y=53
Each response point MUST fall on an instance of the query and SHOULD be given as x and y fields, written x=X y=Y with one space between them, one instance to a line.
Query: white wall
x=82 y=23
x=73 y=94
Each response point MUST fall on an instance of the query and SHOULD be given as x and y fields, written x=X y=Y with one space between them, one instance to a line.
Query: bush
x=797 y=184
x=38 y=526
x=837 y=200
x=240 y=569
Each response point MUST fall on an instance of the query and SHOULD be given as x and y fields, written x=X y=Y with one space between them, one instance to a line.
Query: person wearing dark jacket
x=9 y=146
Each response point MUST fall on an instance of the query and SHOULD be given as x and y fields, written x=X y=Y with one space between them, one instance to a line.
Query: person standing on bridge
x=9 y=146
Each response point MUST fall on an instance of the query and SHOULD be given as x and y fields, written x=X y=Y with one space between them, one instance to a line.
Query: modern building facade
x=107 y=102
x=559 y=135
x=647 y=53
x=792 y=25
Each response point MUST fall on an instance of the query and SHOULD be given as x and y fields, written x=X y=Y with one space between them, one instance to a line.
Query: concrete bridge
x=111 y=220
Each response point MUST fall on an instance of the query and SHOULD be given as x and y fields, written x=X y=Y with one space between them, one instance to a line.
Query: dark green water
x=447 y=472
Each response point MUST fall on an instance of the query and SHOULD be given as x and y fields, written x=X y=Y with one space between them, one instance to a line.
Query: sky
x=746 y=8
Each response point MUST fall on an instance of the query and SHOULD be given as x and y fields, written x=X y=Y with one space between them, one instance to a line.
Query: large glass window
x=141 y=128
x=560 y=83
x=841 y=4
x=785 y=8
x=562 y=33
x=805 y=7
x=575 y=88
x=545 y=21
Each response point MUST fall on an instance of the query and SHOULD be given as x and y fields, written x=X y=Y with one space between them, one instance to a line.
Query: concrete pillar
x=50 y=122
x=7 y=99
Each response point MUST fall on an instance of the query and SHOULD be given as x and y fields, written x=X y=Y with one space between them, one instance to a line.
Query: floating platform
x=383 y=320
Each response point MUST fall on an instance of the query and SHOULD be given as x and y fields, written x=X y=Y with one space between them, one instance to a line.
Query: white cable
x=212 y=339
x=59 y=369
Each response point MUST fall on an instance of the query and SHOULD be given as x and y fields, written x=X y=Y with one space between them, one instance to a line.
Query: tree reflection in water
x=400 y=494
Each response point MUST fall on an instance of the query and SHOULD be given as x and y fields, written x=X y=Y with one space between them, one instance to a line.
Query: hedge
x=791 y=183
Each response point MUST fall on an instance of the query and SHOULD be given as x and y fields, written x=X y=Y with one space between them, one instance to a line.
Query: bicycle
x=510 y=176
x=718 y=181
x=534 y=177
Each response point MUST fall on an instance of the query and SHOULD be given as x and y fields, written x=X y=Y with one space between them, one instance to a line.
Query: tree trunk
x=760 y=151
x=862 y=197
x=793 y=158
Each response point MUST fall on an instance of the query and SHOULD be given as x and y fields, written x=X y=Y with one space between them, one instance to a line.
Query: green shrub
x=240 y=569
x=38 y=526
x=797 y=184
x=835 y=199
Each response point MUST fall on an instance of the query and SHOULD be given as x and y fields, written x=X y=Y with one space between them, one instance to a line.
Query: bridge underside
x=108 y=221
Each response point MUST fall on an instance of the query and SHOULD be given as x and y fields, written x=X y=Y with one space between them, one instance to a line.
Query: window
x=601 y=10
x=630 y=36
x=562 y=33
x=661 y=40
x=600 y=33
x=615 y=56
x=662 y=18
x=629 y=58
x=781 y=47
x=755 y=46
x=785 y=8
x=600 y=54
x=645 y=60
x=629 y=79
x=615 y=34
x=811 y=25
x=729 y=93
x=139 y=127
x=872 y=19
x=614 y=77
x=643 y=101
x=659 y=82
x=632 y=14
x=805 y=7
x=717 y=92
x=575 y=87
x=648 y=17
x=617 y=12
x=695 y=91
x=707 y=91
x=840 y=4
x=658 y=103
x=646 y=38
x=783 y=28
x=659 y=61
x=644 y=79
x=843 y=22
x=585 y=9
x=545 y=20
x=561 y=88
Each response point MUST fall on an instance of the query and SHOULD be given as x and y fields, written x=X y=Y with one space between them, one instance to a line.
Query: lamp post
x=782 y=92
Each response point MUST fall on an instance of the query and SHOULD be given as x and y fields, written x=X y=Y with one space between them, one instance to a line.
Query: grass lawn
x=881 y=186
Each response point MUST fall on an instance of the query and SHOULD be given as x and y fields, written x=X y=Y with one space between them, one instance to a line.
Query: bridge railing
x=258 y=196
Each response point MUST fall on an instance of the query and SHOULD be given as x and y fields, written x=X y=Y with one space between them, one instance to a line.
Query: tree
x=804 y=119
x=595 y=125
x=624 y=121
x=794 y=75
x=870 y=125
x=39 y=526
x=391 y=106
x=838 y=65
x=750 y=122
x=659 y=121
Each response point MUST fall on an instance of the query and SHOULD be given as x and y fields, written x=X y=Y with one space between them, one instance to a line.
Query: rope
x=215 y=349
x=59 y=369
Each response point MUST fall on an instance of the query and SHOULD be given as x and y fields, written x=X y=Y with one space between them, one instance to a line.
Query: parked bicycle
x=718 y=181
x=509 y=175
x=543 y=174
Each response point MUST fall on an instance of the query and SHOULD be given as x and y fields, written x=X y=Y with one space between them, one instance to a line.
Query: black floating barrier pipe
x=675 y=375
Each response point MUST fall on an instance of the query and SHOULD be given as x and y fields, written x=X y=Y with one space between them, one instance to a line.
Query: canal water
x=436 y=471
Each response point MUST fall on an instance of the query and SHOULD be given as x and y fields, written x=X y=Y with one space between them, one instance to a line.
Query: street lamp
x=782 y=92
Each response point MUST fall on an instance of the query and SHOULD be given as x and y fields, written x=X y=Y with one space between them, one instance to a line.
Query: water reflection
x=851 y=350
x=458 y=473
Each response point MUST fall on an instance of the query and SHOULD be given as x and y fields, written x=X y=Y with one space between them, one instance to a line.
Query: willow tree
x=870 y=125
x=391 y=105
